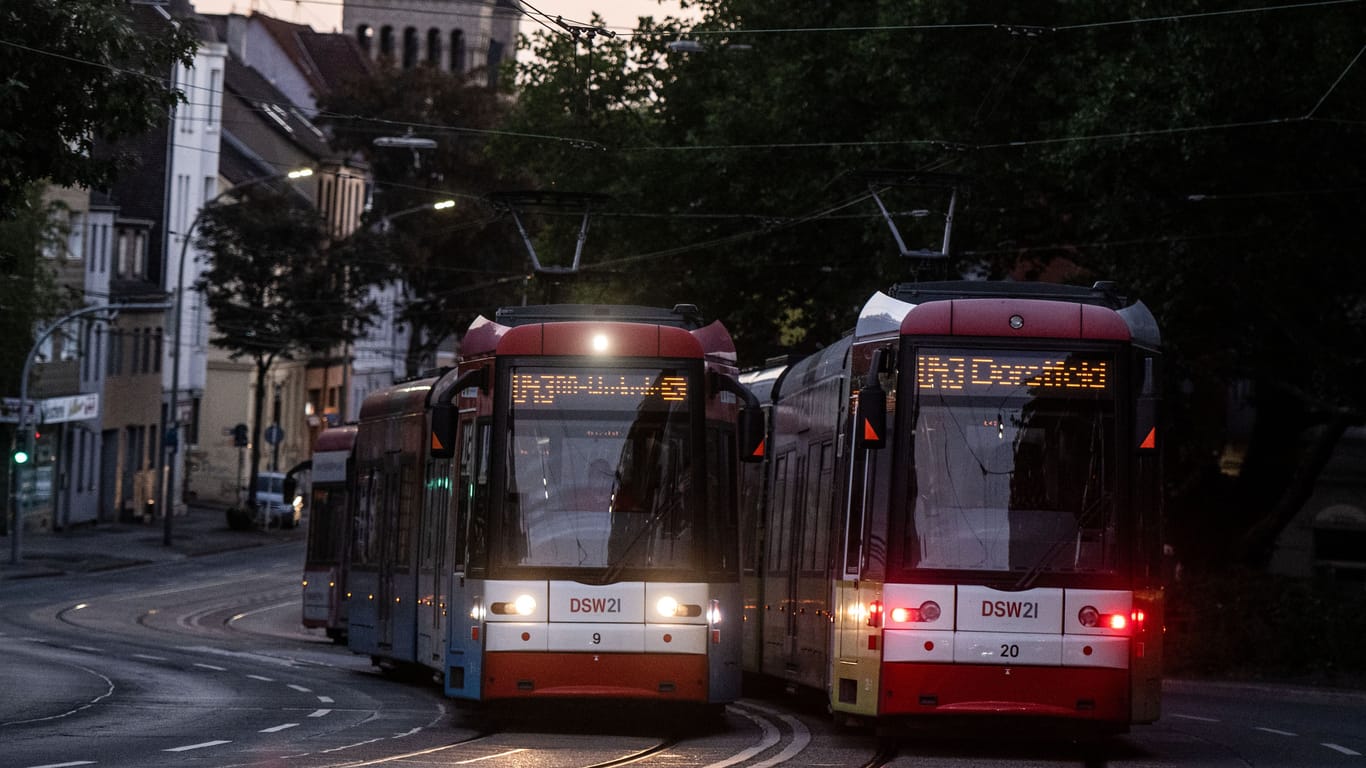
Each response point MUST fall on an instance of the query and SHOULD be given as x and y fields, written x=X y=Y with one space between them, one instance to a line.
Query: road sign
x=274 y=434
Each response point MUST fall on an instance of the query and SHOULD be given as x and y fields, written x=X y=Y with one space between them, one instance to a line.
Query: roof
x=326 y=59
x=273 y=107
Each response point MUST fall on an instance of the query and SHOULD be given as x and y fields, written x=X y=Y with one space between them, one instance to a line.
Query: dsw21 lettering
x=595 y=605
x=1010 y=609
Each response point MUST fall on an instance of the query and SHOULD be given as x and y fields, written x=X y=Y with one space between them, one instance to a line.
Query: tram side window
x=720 y=510
x=779 y=523
x=434 y=508
x=464 y=492
x=815 y=542
x=477 y=546
x=365 y=537
x=404 y=514
x=325 y=524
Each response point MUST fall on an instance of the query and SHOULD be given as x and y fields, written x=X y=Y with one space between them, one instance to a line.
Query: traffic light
x=21 y=456
x=239 y=435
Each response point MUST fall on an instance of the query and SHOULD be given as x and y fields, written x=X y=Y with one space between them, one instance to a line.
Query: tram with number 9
x=959 y=512
x=556 y=516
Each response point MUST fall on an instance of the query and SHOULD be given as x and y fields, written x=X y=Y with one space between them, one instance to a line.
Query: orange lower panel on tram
x=674 y=677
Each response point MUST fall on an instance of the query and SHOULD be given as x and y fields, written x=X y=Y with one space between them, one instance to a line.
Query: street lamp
x=172 y=437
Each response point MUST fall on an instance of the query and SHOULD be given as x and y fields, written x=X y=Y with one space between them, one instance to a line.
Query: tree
x=29 y=294
x=276 y=289
x=452 y=263
x=1209 y=162
x=72 y=73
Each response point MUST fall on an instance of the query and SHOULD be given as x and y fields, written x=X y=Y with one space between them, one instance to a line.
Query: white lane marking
x=490 y=757
x=769 y=738
x=87 y=649
x=149 y=657
x=1342 y=749
x=275 y=607
x=350 y=746
x=1196 y=718
x=278 y=728
x=299 y=688
x=262 y=678
x=64 y=765
x=800 y=738
x=200 y=745
x=1276 y=731
x=321 y=713
x=108 y=691
x=210 y=666
x=408 y=733
x=326 y=700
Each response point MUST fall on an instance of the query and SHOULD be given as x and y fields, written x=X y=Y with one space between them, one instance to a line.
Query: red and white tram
x=556 y=517
x=961 y=509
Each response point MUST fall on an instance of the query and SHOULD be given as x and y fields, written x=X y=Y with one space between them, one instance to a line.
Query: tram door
x=781 y=602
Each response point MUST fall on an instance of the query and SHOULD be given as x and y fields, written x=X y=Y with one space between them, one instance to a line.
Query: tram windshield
x=1015 y=465
x=600 y=470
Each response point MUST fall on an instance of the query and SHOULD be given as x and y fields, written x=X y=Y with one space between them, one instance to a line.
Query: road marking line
x=326 y=700
x=321 y=713
x=149 y=657
x=490 y=757
x=262 y=679
x=200 y=745
x=768 y=736
x=1276 y=731
x=210 y=666
x=299 y=688
x=64 y=765
x=278 y=728
x=1342 y=749
x=1196 y=718
x=87 y=648
x=349 y=746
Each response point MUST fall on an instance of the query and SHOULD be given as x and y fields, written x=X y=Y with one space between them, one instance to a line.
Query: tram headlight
x=669 y=608
x=524 y=605
x=1090 y=617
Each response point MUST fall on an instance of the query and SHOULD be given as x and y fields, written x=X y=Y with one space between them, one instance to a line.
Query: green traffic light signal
x=21 y=457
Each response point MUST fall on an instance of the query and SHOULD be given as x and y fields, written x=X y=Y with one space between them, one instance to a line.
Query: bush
x=1246 y=625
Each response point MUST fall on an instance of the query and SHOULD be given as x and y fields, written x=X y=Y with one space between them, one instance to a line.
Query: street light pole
x=24 y=431
x=172 y=437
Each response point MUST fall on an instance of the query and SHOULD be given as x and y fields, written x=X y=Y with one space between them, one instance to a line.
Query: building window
x=495 y=59
x=215 y=99
x=457 y=51
x=365 y=35
x=386 y=42
x=409 y=47
x=434 y=47
x=75 y=247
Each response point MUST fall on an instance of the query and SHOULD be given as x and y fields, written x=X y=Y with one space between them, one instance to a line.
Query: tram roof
x=686 y=316
x=1101 y=293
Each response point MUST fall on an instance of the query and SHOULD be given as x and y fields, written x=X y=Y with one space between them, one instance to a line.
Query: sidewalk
x=105 y=546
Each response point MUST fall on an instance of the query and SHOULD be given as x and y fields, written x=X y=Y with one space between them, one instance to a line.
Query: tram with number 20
x=557 y=516
x=959 y=510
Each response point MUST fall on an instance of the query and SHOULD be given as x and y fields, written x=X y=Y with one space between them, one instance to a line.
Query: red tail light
x=875 y=613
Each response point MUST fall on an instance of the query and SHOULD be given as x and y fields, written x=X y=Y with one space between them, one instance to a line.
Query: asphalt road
x=202 y=661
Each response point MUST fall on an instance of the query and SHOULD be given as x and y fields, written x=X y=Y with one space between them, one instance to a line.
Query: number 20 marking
x=1010 y=650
